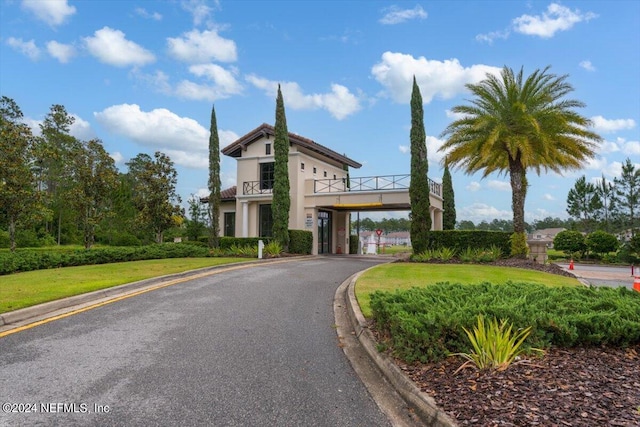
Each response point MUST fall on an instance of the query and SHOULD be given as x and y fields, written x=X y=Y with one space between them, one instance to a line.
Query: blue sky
x=143 y=75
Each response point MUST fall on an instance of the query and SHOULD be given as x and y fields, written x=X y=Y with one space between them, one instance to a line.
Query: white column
x=245 y=218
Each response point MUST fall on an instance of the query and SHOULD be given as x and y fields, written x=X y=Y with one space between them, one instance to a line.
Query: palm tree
x=514 y=124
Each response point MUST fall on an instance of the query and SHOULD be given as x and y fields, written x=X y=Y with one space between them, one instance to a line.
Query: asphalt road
x=251 y=347
x=604 y=275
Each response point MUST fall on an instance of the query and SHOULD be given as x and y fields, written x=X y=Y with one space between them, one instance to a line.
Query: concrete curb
x=423 y=405
x=53 y=307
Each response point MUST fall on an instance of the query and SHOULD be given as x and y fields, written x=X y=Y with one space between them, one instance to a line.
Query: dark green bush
x=474 y=239
x=300 y=242
x=28 y=260
x=426 y=323
x=353 y=244
x=227 y=242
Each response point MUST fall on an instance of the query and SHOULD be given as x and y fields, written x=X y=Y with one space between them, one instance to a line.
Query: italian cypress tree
x=281 y=198
x=214 y=182
x=448 y=200
x=419 y=186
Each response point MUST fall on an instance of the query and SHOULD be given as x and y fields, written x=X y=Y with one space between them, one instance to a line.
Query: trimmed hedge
x=28 y=260
x=474 y=239
x=353 y=244
x=426 y=323
x=300 y=242
x=227 y=242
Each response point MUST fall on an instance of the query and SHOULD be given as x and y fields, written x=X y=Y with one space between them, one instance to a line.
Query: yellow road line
x=129 y=295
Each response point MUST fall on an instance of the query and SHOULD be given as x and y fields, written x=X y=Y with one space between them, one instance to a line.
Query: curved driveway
x=250 y=347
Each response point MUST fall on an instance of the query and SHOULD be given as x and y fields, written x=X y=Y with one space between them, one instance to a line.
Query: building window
x=230 y=224
x=266 y=221
x=334 y=176
x=301 y=166
x=267 y=149
x=325 y=174
x=266 y=175
x=314 y=170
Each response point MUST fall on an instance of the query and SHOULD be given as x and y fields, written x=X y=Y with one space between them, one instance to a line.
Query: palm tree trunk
x=518 y=195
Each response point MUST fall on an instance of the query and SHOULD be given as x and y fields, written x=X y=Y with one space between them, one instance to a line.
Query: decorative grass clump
x=426 y=324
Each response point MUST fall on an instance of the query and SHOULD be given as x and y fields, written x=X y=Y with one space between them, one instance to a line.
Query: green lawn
x=389 y=277
x=34 y=287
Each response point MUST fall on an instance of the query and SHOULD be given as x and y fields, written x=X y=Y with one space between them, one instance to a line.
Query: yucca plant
x=495 y=345
x=272 y=249
x=466 y=255
x=445 y=254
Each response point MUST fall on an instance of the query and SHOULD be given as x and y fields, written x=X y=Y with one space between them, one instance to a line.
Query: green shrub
x=300 y=242
x=28 y=259
x=467 y=255
x=272 y=249
x=226 y=242
x=519 y=248
x=601 y=242
x=494 y=345
x=427 y=323
x=570 y=242
x=459 y=240
x=353 y=244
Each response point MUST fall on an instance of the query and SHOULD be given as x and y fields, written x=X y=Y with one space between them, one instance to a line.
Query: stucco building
x=322 y=193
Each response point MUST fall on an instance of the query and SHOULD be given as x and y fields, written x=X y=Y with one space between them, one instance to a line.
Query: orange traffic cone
x=571 y=265
x=636 y=284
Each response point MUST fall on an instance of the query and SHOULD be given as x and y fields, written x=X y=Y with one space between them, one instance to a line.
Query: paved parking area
x=602 y=275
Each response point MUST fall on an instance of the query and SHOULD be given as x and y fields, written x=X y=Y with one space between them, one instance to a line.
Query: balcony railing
x=371 y=183
x=257 y=187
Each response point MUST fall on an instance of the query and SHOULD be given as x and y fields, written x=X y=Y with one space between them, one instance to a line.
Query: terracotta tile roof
x=235 y=148
x=227 y=195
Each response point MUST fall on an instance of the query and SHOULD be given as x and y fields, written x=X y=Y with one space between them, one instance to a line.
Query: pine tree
x=448 y=200
x=419 y=186
x=214 y=182
x=281 y=198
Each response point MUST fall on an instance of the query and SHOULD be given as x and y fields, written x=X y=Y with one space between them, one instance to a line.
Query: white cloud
x=117 y=157
x=444 y=79
x=62 y=52
x=200 y=47
x=499 y=185
x=556 y=18
x=600 y=124
x=81 y=129
x=224 y=83
x=27 y=48
x=631 y=148
x=111 y=47
x=395 y=15
x=491 y=36
x=159 y=129
x=140 y=11
x=473 y=186
x=181 y=138
x=548 y=197
x=587 y=65
x=198 y=9
x=478 y=212
x=404 y=149
x=607 y=147
x=433 y=147
x=455 y=116
x=53 y=12
x=340 y=102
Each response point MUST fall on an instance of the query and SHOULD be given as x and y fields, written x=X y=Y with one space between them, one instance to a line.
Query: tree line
x=58 y=189
x=605 y=205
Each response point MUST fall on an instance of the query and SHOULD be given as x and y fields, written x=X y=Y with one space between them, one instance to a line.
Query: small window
x=314 y=170
x=325 y=174
x=334 y=176
x=301 y=166
x=267 y=149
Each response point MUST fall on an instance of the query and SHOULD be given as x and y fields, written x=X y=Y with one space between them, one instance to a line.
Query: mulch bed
x=577 y=387
x=585 y=387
